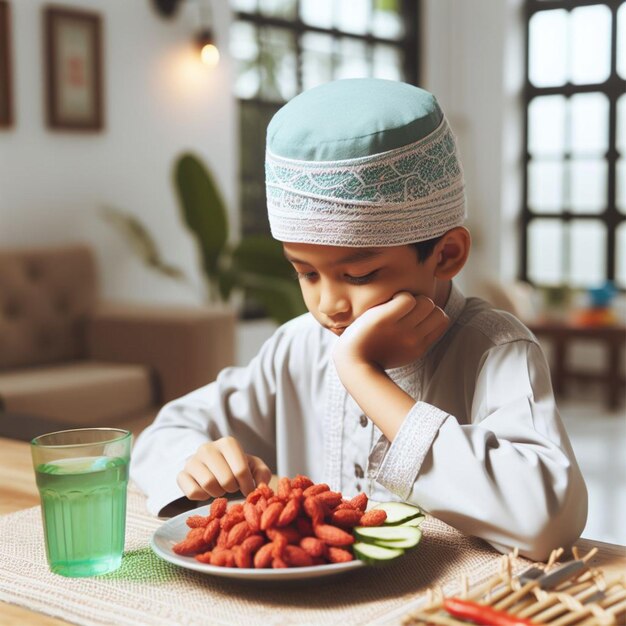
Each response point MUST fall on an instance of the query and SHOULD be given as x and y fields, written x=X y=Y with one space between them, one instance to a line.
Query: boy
x=394 y=383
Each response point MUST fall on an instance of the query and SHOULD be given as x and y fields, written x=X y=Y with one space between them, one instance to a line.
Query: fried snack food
x=299 y=525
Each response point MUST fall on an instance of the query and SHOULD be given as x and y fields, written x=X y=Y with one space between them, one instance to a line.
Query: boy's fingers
x=435 y=326
x=423 y=309
x=400 y=305
x=204 y=477
x=260 y=471
x=238 y=464
x=190 y=487
x=219 y=466
x=433 y=320
x=403 y=303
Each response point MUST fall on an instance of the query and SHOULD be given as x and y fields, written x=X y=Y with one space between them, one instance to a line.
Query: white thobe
x=483 y=448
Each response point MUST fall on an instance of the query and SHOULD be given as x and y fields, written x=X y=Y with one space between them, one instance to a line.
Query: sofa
x=69 y=360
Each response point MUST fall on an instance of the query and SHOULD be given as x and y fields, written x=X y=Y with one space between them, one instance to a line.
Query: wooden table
x=19 y=491
x=562 y=334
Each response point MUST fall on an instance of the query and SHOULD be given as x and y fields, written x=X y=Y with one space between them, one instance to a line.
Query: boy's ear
x=451 y=252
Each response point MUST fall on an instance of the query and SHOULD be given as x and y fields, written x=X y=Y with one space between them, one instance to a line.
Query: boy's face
x=339 y=283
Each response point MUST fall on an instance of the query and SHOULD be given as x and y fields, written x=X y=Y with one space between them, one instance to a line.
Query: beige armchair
x=70 y=360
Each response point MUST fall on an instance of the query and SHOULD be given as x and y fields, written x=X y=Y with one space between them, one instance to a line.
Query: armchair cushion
x=45 y=298
x=186 y=347
x=68 y=358
x=81 y=393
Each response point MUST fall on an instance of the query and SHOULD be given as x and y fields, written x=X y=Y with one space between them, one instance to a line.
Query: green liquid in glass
x=83 y=504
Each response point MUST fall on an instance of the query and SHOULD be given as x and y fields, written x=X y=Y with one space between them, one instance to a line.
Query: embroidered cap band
x=397 y=180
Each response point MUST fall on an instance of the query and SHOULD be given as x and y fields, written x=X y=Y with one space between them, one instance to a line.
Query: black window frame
x=613 y=88
x=409 y=43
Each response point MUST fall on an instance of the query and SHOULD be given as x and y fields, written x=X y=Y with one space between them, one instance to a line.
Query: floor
x=599 y=440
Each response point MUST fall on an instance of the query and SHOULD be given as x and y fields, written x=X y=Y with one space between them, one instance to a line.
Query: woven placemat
x=148 y=590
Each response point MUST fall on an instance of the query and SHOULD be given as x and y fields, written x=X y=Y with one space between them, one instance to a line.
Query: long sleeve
x=241 y=402
x=509 y=474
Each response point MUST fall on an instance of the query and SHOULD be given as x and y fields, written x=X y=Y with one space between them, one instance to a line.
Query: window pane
x=589 y=119
x=388 y=63
x=245 y=6
x=621 y=185
x=386 y=19
x=545 y=186
x=547 y=55
x=587 y=185
x=277 y=64
x=352 y=61
x=590 y=44
x=620 y=256
x=621 y=41
x=317 y=59
x=279 y=8
x=545 y=249
x=353 y=16
x=245 y=50
x=587 y=253
x=546 y=126
x=621 y=124
x=317 y=12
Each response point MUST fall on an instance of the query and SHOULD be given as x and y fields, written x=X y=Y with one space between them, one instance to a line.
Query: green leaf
x=280 y=297
x=227 y=281
x=141 y=242
x=268 y=277
x=203 y=209
x=263 y=255
x=386 y=5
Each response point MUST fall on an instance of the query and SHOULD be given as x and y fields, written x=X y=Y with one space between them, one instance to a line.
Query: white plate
x=175 y=530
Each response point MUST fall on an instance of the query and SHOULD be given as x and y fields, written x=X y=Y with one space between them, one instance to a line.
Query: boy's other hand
x=392 y=334
x=220 y=467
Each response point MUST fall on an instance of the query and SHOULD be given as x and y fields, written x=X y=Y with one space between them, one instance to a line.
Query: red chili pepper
x=482 y=614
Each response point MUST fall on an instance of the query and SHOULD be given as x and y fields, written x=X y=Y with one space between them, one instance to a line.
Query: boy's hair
x=425 y=248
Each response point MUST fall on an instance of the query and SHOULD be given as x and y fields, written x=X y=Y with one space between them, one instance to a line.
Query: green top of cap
x=352 y=118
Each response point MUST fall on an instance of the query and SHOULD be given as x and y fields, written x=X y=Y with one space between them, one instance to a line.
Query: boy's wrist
x=380 y=398
x=351 y=368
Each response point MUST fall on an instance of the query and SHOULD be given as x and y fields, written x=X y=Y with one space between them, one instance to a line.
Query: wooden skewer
x=554 y=557
x=502 y=579
x=429 y=618
x=604 y=608
x=504 y=592
x=505 y=604
x=514 y=597
x=580 y=594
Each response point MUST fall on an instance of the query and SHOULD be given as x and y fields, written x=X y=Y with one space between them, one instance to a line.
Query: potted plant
x=254 y=265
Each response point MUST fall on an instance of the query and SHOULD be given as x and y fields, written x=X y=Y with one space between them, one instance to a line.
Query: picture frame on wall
x=73 y=50
x=6 y=91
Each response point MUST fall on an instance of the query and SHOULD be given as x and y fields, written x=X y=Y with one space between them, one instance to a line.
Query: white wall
x=159 y=100
x=473 y=63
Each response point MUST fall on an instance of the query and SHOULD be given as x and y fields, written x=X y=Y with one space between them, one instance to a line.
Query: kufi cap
x=362 y=162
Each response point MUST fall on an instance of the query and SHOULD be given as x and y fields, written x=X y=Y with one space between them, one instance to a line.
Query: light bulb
x=210 y=55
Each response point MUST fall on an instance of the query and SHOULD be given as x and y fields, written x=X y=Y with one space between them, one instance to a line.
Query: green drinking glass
x=82 y=475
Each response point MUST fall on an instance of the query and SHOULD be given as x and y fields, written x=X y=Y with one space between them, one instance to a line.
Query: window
x=574 y=207
x=283 y=47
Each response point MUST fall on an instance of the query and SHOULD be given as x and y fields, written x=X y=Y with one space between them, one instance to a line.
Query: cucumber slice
x=392 y=536
x=373 y=554
x=407 y=542
x=414 y=521
x=398 y=512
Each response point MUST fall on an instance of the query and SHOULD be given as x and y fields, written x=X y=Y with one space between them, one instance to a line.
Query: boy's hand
x=221 y=466
x=392 y=334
